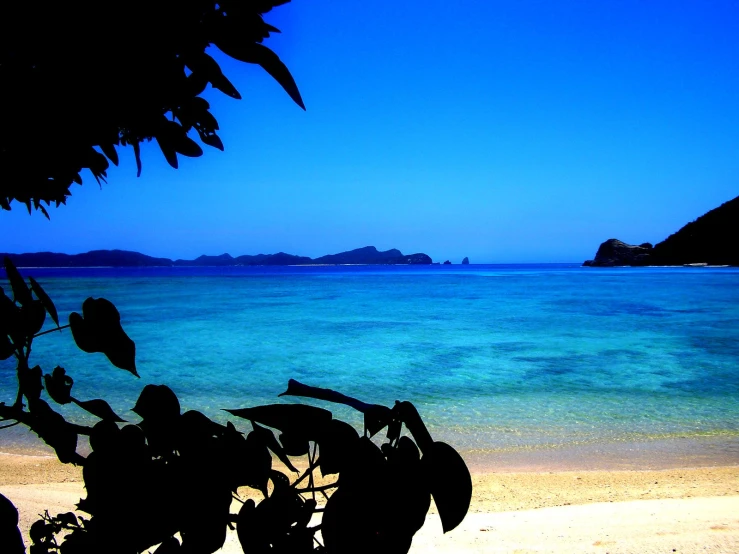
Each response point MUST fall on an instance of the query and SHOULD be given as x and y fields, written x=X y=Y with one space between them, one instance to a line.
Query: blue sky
x=506 y=131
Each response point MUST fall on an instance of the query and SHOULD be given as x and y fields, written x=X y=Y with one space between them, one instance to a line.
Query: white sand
x=685 y=511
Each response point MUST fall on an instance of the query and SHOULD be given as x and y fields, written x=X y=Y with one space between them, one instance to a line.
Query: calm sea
x=521 y=365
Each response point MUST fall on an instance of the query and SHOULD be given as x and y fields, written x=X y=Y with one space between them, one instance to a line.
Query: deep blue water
x=496 y=357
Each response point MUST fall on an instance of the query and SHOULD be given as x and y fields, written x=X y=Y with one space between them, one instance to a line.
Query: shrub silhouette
x=169 y=480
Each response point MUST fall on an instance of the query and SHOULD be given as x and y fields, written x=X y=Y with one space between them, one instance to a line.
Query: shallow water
x=498 y=359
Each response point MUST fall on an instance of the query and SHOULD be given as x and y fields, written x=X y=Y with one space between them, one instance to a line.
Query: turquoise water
x=497 y=358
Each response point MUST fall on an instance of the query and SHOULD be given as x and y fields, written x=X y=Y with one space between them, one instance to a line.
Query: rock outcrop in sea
x=614 y=252
x=712 y=239
x=466 y=261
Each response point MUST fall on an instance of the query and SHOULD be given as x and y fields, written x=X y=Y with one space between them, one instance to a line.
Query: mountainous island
x=369 y=255
x=712 y=239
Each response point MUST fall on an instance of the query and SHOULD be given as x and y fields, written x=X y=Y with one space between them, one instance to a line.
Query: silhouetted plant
x=170 y=479
x=79 y=77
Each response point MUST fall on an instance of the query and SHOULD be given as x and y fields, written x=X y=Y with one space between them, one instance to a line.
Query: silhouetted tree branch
x=79 y=78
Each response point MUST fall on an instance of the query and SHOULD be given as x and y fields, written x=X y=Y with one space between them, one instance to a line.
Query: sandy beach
x=672 y=510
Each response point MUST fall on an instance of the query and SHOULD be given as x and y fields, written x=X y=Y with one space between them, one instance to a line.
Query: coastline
x=512 y=510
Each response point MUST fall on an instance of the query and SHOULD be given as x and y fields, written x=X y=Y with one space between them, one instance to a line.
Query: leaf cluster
x=167 y=482
x=80 y=78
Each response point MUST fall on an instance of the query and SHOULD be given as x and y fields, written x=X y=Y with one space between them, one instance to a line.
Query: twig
x=10 y=425
x=318 y=489
x=51 y=331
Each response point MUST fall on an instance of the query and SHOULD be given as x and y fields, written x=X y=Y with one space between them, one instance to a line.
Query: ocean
x=516 y=366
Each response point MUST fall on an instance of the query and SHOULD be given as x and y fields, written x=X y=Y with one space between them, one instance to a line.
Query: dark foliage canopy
x=81 y=77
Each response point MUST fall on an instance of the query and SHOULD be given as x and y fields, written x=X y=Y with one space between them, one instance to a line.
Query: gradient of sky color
x=506 y=131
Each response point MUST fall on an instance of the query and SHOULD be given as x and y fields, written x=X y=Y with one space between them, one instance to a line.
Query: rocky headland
x=712 y=239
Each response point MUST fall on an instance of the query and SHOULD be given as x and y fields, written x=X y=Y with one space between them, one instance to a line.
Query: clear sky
x=506 y=131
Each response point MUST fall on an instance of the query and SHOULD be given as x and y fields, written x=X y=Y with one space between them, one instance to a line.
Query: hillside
x=369 y=255
x=712 y=239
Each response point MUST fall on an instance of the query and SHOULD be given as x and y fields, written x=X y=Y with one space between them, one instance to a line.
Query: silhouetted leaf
x=170 y=546
x=109 y=150
x=99 y=408
x=157 y=402
x=196 y=83
x=6 y=347
x=59 y=385
x=336 y=446
x=67 y=518
x=84 y=338
x=376 y=418
x=45 y=300
x=100 y=331
x=10 y=536
x=9 y=315
x=407 y=413
x=168 y=150
x=40 y=531
x=212 y=140
x=54 y=431
x=30 y=382
x=8 y=513
x=21 y=294
x=137 y=155
x=296 y=419
x=409 y=494
x=32 y=316
x=296 y=388
x=105 y=437
x=352 y=522
x=248 y=532
x=177 y=140
x=271 y=442
x=264 y=6
x=393 y=430
x=270 y=62
x=208 y=68
x=450 y=483
x=258 y=464
x=294 y=445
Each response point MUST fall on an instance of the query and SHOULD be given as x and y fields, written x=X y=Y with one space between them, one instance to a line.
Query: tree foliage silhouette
x=175 y=474
x=81 y=78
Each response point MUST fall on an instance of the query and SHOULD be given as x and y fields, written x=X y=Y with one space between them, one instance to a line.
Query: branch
x=10 y=425
x=318 y=489
x=51 y=331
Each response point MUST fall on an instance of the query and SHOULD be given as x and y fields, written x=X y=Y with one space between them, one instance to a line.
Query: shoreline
x=637 y=455
x=534 y=510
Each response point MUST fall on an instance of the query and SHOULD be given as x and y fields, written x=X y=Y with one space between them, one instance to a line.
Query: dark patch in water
x=716 y=345
x=625 y=354
x=606 y=308
x=326 y=297
x=513 y=346
x=357 y=327
x=277 y=294
x=451 y=358
x=552 y=365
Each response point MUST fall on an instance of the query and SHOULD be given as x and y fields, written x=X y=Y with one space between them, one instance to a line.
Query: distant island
x=369 y=255
x=712 y=239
